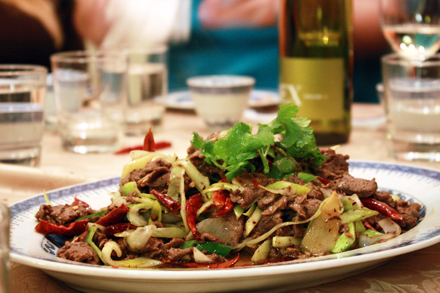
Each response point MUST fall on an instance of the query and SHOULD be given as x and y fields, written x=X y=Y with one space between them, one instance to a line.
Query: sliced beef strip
x=248 y=178
x=350 y=185
x=153 y=248
x=249 y=194
x=176 y=254
x=334 y=166
x=63 y=214
x=236 y=228
x=79 y=252
x=305 y=207
x=279 y=205
x=266 y=223
x=385 y=197
x=157 y=175
x=267 y=200
x=154 y=175
x=409 y=212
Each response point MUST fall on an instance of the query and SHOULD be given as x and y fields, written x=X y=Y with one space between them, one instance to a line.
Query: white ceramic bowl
x=220 y=99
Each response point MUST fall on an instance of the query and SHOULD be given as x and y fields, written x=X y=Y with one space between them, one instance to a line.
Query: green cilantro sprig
x=233 y=152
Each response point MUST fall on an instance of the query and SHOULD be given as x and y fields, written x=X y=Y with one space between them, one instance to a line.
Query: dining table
x=418 y=271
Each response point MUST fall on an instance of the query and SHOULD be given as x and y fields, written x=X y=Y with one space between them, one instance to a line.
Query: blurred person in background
x=205 y=36
x=32 y=30
x=232 y=37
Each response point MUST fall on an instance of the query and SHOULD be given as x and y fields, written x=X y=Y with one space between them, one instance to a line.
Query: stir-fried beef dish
x=270 y=195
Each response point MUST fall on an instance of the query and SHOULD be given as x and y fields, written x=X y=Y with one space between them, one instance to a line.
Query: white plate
x=259 y=98
x=411 y=183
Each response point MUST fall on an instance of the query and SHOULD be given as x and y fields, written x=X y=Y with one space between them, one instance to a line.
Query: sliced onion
x=260 y=255
x=218 y=227
x=140 y=262
x=133 y=214
x=252 y=221
x=169 y=232
x=201 y=181
x=365 y=240
x=107 y=251
x=175 y=180
x=389 y=226
x=137 y=239
x=326 y=191
x=355 y=197
x=200 y=257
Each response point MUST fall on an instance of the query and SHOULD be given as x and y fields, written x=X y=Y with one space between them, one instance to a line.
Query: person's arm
x=90 y=21
x=215 y=14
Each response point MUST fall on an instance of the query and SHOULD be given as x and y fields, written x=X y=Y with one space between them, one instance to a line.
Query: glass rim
x=85 y=56
x=21 y=70
x=395 y=59
x=220 y=81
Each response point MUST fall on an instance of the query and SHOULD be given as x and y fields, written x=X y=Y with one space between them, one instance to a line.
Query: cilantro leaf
x=234 y=151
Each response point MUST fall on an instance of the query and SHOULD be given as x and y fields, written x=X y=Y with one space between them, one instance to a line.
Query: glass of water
x=22 y=96
x=4 y=249
x=412 y=27
x=147 y=89
x=90 y=90
x=412 y=104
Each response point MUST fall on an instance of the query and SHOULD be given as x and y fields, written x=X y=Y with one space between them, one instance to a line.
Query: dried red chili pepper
x=118 y=228
x=192 y=206
x=149 y=144
x=219 y=198
x=369 y=226
x=256 y=183
x=158 y=145
x=77 y=201
x=166 y=200
x=226 y=208
x=323 y=180
x=75 y=228
x=221 y=265
x=224 y=179
x=114 y=217
x=382 y=208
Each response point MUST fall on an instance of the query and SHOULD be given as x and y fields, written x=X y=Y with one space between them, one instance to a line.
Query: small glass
x=4 y=249
x=22 y=97
x=90 y=90
x=220 y=99
x=412 y=104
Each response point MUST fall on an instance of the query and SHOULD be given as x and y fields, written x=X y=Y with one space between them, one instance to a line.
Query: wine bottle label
x=315 y=85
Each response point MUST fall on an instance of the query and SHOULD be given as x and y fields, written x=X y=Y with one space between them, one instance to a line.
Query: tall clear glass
x=90 y=90
x=412 y=104
x=412 y=27
x=22 y=97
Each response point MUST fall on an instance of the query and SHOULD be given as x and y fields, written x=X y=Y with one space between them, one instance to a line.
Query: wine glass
x=412 y=27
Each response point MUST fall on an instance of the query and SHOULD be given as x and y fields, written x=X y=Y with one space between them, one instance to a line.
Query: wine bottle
x=316 y=64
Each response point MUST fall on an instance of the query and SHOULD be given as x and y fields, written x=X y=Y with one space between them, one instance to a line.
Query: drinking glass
x=90 y=91
x=412 y=105
x=147 y=87
x=22 y=97
x=412 y=27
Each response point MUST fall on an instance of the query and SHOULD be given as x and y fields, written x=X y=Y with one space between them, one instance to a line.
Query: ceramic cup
x=220 y=99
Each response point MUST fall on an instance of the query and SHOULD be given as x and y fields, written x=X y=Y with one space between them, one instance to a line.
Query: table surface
x=415 y=272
